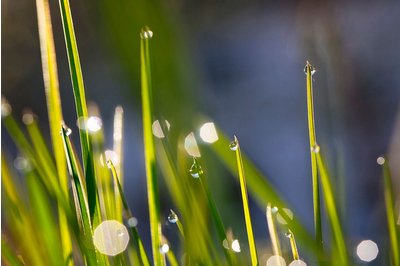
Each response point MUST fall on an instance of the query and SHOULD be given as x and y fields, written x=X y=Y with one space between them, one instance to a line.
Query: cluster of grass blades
x=89 y=220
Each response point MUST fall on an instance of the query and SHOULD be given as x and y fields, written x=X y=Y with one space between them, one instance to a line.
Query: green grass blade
x=276 y=247
x=128 y=213
x=390 y=211
x=331 y=209
x=118 y=149
x=149 y=147
x=81 y=107
x=9 y=257
x=309 y=71
x=243 y=188
x=293 y=245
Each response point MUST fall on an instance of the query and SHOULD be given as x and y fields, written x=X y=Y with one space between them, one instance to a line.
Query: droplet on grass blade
x=195 y=170
x=164 y=248
x=172 y=217
x=146 y=33
x=132 y=222
x=208 y=133
x=235 y=246
x=28 y=118
x=191 y=146
x=276 y=260
x=315 y=148
x=367 y=250
x=274 y=209
x=381 y=160
x=297 y=263
x=312 y=69
x=234 y=144
x=92 y=124
x=108 y=157
x=111 y=237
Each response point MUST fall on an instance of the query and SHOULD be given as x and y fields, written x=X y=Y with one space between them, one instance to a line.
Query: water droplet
x=195 y=170
x=235 y=246
x=22 y=164
x=234 y=144
x=146 y=33
x=109 y=156
x=381 y=160
x=132 y=222
x=312 y=69
x=92 y=124
x=68 y=131
x=225 y=244
x=367 y=250
x=172 y=217
x=274 y=209
x=276 y=260
x=191 y=146
x=28 y=118
x=297 y=263
x=164 y=248
x=157 y=130
x=111 y=237
x=288 y=234
x=315 y=148
x=5 y=107
x=208 y=133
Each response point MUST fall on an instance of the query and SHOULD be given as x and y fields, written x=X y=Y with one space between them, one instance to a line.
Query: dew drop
x=315 y=148
x=234 y=144
x=109 y=157
x=111 y=237
x=381 y=160
x=146 y=33
x=164 y=248
x=312 y=69
x=274 y=209
x=28 y=118
x=288 y=234
x=5 y=107
x=68 y=131
x=235 y=246
x=172 y=217
x=132 y=222
x=195 y=170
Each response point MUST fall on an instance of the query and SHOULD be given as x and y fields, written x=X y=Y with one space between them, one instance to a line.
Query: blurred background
x=239 y=63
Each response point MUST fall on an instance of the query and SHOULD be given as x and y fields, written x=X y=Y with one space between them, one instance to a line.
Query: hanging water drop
x=274 y=209
x=68 y=131
x=312 y=69
x=234 y=144
x=172 y=217
x=381 y=160
x=146 y=33
x=288 y=234
x=164 y=248
x=195 y=170
x=315 y=148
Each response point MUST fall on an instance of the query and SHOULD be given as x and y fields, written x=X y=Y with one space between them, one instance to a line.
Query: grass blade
x=331 y=209
x=390 y=211
x=293 y=245
x=8 y=255
x=118 y=149
x=276 y=247
x=253 y=251
x=81 y=107
x=309 y=71
x=149 y=147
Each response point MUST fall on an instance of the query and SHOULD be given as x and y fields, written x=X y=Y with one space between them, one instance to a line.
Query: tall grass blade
x=253 y=251
x=331 y=209
x=118 y=149
x=309 y=71
x=81 y=107
x=390 y=211
x=276 y=247
x=293 y=245
x=149 y=147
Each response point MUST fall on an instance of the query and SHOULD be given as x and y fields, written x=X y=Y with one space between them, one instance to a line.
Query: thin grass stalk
x=118 y=149
x=390 y=211
x=149 y=147
x=172 y=258
x=309 y=71
x=293 y=245
x=243 y=188
x=81 y=107
x=331 y=209
x=276 y=247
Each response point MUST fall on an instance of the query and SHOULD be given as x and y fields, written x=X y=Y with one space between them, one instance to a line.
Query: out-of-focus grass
x=36 y=235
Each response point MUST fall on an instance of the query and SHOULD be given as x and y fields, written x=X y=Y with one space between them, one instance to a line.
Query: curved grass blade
x=309 y=71
x=293 y=245
x=243 y=188
x=390 y=211
x=149 y=147
x=81 y=107
x=331 y=209
x=129 y=215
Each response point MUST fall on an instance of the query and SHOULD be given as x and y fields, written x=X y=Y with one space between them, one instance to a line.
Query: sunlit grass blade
x=172 y=258
x=276 y=247
x=128 y=214
x=50 y=76
x=293 y=245
x=149 y=147
x=261 y=190
x=7 y=254
x=309 y=71
x=81 y=107
x=118 y=134
x=390 y=211
x=331 y=209
x=242 y=179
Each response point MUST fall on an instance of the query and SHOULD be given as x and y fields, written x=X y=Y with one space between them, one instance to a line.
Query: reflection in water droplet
x=195 y=170
x=367 y=250
x=297 y=263
x=381 y=160
x=315 y=148
x=234 y=144
x=91 y=124
x=235 y=246
x=5 y=107
x=111 y=237
x=22 y=164
x=164 y=248
x=280 y=219
x=146 y=33
x=191 y=145
x=276 y=260
x=172 y=217
x=208 y=133
x=312 y=69
x=132 y=222
x=109 y=156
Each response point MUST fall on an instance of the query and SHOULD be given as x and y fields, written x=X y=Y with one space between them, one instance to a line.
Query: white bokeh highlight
x=208 y=132
x=367 y=250
x=191 y=146
x=111 y=237
x=276 y=260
